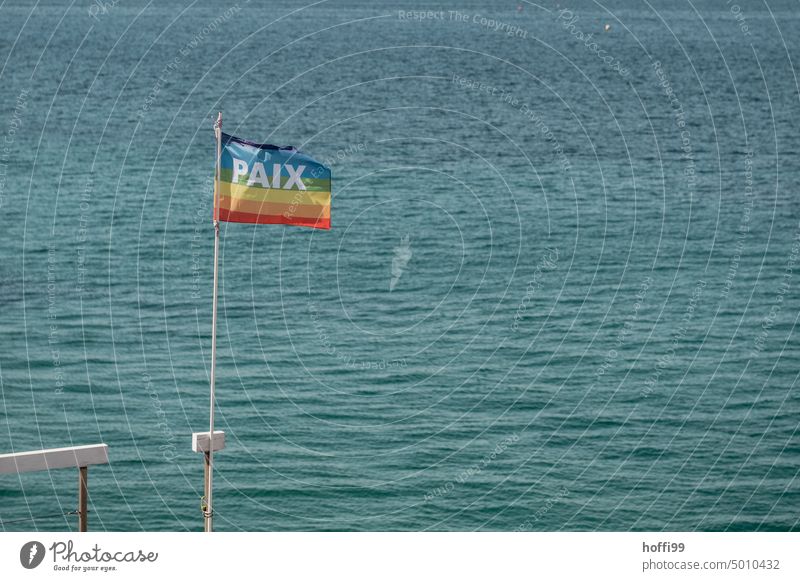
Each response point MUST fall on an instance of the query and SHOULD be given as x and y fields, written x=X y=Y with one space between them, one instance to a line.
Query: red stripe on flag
x=248 y=218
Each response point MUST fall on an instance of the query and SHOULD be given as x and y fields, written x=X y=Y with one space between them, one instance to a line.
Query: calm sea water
x=560 y=291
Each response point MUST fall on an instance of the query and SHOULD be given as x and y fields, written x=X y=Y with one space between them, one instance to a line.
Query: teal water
x=560 y=291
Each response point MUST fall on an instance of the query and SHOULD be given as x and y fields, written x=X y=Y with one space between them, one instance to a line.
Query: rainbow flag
x=266 y=184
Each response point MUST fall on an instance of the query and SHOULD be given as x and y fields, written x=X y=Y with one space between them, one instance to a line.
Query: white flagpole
x=209 y=464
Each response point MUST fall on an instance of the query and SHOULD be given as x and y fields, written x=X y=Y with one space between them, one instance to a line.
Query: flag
x=267 y=184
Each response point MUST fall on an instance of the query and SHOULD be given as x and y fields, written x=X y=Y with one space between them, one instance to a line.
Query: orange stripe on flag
x=274 y=208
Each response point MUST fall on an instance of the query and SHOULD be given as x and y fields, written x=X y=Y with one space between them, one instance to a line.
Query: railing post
x=83 y=498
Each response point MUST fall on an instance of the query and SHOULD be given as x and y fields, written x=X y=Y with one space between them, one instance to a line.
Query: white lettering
x=276 y=175
x=294 y=177
x=239 y=168
x=259 y=175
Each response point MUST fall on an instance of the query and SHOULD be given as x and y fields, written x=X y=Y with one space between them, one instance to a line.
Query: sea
x=560 y=291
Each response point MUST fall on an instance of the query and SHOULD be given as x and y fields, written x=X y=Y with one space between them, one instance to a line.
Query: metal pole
x=209 y=456
x=206 y=486
x=83 y=498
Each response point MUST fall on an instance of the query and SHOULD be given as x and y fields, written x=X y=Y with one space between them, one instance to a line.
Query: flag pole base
x=201 y=442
